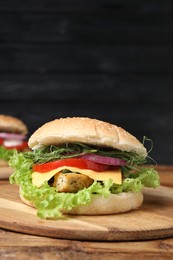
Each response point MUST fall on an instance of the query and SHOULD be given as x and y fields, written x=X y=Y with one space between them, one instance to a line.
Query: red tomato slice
x=1 y=141
x=18 y=147
x=73 y=162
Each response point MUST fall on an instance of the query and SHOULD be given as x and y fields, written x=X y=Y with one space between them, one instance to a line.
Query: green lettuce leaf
x=145 y=177
x=5 y=154
x=49 y=202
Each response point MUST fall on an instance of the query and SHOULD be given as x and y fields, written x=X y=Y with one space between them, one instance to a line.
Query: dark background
x=106 y=59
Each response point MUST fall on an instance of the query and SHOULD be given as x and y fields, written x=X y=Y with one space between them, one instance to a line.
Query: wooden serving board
x=153 y=220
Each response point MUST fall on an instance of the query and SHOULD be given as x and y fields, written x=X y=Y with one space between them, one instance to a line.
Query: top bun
x=12 y=125
x=88 y=131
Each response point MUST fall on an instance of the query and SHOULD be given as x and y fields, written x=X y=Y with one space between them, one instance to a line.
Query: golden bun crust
x=114 y=204
x=12 y=124
x=85 y=130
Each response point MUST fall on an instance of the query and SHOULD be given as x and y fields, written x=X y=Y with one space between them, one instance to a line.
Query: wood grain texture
x=57 y=27
x=85 y=59
x=20 y=246
x=135 y=225
x=140 y=98
x=15 y=245
x=107 y=59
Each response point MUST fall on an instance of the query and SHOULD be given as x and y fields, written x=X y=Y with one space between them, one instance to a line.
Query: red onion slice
x=104 y=159
x=12 y=136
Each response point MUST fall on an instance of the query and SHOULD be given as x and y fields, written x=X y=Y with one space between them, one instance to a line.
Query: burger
x=12 y=137
x=82 y=166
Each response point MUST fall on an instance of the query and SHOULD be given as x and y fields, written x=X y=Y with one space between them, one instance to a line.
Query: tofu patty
x=71 y=182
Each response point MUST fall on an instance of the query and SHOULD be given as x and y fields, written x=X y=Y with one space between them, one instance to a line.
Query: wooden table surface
x=20 y=246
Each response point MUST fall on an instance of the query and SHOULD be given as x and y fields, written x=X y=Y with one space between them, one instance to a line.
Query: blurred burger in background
x=13 y=133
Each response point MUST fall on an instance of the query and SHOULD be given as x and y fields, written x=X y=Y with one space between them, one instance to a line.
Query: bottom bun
x=5 y=172
x=114 y=204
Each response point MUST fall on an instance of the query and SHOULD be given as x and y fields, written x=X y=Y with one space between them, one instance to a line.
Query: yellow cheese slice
x=39 y=178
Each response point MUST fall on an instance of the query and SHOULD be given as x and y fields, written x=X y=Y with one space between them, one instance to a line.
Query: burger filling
x=10 y=142
x=71 y=182
x=66 y=176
